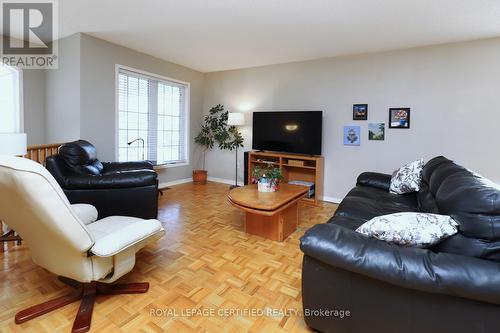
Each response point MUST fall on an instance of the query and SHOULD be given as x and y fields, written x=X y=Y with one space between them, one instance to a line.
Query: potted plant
x=215 y=130
x=267 y=178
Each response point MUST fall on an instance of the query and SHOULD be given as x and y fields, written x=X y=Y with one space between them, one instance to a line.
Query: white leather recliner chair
x=68 y=241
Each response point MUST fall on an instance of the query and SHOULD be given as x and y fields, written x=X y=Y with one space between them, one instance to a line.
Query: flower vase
x=267 y=185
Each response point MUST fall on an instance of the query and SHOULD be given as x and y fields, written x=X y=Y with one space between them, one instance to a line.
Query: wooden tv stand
x=293 y=167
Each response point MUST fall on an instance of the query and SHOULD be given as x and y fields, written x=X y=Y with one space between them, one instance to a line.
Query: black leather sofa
x=453 y=287
x=126 y=189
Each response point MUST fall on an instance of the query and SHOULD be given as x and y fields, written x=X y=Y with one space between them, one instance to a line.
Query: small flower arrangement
x=267 y=178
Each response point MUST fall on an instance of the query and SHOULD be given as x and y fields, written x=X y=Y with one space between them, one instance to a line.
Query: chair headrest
x=81 y=157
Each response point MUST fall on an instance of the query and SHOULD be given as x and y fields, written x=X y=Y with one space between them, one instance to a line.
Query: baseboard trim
x=224 y=181
x=175 y=182
x=229 y=182
x=332 y=199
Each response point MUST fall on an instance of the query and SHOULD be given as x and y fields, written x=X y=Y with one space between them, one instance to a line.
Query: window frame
x=187 y=111
x=20 y=96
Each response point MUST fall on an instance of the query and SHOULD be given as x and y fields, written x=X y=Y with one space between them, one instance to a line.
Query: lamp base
x=233 y=186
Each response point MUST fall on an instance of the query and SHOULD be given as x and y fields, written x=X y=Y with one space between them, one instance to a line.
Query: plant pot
x=200 y=177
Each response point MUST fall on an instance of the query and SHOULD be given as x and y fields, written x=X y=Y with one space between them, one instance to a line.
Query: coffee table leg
x=276 y=227
x=289 y=219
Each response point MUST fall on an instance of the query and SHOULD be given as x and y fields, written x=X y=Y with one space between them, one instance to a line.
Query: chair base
x=86 y=293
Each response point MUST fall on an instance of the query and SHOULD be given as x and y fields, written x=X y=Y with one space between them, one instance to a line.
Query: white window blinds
x=152 y=119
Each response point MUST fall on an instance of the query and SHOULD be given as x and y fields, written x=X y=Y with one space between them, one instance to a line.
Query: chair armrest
x=86 y=213
x=407 y=267
x=126 y=179
x=123 y=238
x=375 y=179
x=127 y=166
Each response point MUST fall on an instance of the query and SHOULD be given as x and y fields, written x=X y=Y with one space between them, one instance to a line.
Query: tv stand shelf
x=293 y=167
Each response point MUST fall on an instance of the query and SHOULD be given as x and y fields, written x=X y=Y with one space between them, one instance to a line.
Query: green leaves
x=215 y=130
x=270 y=172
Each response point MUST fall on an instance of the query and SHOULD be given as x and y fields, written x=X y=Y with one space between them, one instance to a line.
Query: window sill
x=168 y=166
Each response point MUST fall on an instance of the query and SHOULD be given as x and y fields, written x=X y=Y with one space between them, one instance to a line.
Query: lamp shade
x=13 y=144
x=236 y=119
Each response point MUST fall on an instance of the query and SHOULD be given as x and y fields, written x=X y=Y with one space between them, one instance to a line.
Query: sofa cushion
x=433 y=174
x=407 y=267
x=474 y=202
x=351 y=223
x=470 y=247
x=365 y=202
x=410 y=229
x=407 y=178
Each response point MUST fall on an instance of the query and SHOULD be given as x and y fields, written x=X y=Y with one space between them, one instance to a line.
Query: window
x=152 y=113
x=10 y=100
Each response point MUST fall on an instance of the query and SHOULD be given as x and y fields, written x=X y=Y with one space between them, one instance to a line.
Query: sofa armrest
x=115 y=180
x=86 y=213
x=127 y=166
x=407 y=267
x=375 y=179
x=127 y=237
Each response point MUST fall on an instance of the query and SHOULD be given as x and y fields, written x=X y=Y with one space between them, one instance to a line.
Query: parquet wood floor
x=237 y=282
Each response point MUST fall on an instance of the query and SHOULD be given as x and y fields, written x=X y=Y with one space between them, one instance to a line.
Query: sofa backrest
x=434 y=173
x=472 y=200
x=81 y=158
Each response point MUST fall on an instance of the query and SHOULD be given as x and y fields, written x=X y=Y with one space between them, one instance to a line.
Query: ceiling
x=214 y=35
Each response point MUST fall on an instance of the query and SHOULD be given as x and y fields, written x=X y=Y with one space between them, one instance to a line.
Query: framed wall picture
x=376 y=131
x=352 y=135
x=360 y=112
x=399 y=118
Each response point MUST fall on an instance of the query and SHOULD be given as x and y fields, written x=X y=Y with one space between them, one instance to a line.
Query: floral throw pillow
x=410 y=229
x=407 y=178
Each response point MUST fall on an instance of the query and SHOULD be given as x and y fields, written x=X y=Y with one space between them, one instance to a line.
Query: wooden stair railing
x=38 y=153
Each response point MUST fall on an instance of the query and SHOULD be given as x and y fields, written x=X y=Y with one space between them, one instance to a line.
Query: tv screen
x=288 y=131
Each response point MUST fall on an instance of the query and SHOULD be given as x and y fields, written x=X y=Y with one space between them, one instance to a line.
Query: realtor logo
x=29 y=33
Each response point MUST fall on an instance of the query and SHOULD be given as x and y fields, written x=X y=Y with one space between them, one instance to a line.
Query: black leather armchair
x=127 y=189
x=453 y=287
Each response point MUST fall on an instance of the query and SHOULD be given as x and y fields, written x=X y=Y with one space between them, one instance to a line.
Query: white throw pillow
x=407 y=178
x=410 y=229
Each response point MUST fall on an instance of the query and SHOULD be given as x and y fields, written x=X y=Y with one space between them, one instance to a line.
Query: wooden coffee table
x=271 y=215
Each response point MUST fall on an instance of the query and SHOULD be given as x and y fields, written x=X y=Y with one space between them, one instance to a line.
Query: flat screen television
x=288 y=131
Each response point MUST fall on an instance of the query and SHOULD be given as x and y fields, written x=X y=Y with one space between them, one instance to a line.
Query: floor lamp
x=236 y=119
x=11 y=144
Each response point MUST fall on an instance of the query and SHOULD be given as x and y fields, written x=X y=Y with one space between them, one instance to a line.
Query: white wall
x=34 y=105
x=452 y=91
x=62 y=94
x=77 y=100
